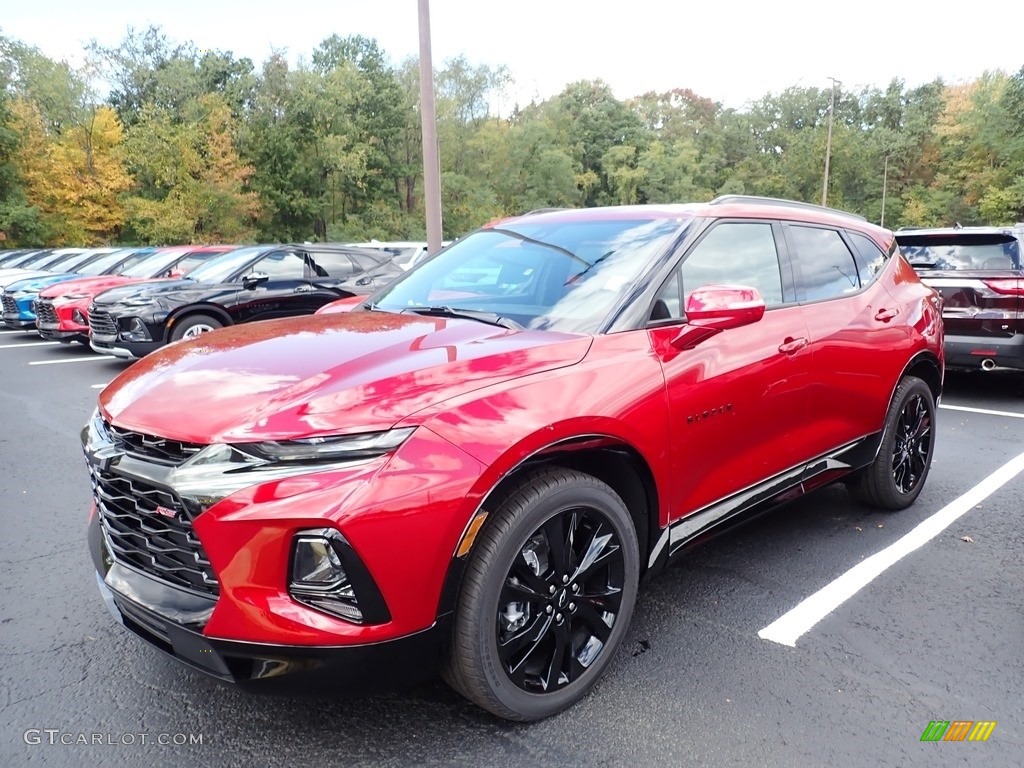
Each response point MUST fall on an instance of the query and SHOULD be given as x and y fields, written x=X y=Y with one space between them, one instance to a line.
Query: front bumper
x=207 y=584
x=17 y=313
x=969 y=351
x=262 y=667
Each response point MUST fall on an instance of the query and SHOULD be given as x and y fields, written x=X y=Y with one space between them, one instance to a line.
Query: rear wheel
x=896 y=476
x=194 y=325
x=547 y=596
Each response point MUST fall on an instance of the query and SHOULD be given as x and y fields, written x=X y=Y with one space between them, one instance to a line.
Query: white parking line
x=30 y=344
x=8 y=333
x=99 y=386
x=986 y=411
x=789 y=627
x=68 y=360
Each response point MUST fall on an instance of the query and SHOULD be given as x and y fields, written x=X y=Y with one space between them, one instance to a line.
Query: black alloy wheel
x=547 y=596
x=895 y=478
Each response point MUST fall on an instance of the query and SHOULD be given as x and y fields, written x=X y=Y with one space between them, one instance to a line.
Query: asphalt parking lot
x=936 y=635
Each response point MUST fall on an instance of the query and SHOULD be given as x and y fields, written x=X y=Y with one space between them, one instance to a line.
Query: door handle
x=885 y=315
x=304 y=289
x=791 y=346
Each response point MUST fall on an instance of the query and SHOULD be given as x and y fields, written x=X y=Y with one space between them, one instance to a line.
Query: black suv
x=242 y=286
x=980 y=274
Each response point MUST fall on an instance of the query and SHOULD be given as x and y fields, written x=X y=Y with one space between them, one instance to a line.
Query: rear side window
x=869 y=257
x=958 y=251
x=827 y=267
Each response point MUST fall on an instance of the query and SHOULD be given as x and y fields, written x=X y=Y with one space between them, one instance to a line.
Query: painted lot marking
x=985 y=411
x=30 y=344
x=99 y=386
x=9 y=333
x=94 y=358
x=790 y=626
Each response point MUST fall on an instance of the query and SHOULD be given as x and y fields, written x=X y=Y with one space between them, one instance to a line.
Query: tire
x=194 y=325
x=895 y=478
x=505 y=666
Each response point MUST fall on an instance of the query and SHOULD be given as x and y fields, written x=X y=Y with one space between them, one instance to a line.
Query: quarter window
x=869 y=257
x=826 y=264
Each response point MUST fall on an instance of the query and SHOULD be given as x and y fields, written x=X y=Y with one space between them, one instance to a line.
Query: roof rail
x=757 y=200
x=544 y=210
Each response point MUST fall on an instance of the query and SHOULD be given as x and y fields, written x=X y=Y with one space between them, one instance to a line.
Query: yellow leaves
x=74 y=178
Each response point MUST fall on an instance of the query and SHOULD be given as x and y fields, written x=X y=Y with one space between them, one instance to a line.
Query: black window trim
x=798 y=273
x=684 y=249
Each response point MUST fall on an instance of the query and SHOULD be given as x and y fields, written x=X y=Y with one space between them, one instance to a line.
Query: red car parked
x=62 y=310
x=473 y=472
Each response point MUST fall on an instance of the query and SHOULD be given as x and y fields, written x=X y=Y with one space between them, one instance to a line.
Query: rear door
x=858 y=347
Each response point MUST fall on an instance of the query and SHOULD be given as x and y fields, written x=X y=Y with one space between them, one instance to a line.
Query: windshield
x=69 y=262
x=553 y=275
x=960 y=252
x=153 y=263
x=221 y=268
x=103 y=263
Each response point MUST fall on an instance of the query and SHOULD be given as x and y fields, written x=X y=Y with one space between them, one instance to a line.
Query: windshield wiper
x=491 y=318
x=541 y=243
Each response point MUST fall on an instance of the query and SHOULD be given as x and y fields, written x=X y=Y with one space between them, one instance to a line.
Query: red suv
x=472 y=472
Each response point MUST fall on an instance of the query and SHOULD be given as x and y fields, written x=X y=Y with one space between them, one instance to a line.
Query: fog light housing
x=79 y=317
x=137 y=331
x=326 y=574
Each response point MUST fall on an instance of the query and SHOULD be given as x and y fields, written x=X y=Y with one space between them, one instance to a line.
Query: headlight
x=365 y=445
x=326 y=574
x=137 y=301
x=74 y=296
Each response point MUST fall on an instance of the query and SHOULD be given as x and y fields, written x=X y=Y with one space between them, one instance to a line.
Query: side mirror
x=364 y=281
x=722 y=307
x=253 y=279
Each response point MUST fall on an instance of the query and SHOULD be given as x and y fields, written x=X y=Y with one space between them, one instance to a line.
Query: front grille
x=101 y=323
x=169 y=453
x=45 y=313
x=10 y=305
x=149 y=529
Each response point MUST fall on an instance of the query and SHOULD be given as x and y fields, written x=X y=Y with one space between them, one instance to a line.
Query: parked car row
x=472 y=471
x=128 y=302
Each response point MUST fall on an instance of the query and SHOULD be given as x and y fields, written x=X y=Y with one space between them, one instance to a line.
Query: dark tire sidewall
x=527 y=705
x=908 y=389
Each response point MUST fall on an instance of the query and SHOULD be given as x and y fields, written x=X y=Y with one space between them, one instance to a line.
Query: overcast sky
x=730 y=51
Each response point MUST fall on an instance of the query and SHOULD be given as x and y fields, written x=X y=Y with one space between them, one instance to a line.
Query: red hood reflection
x=351 y=372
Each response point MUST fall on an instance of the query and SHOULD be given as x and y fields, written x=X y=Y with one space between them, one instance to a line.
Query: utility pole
x=428 y=125
x=885 y=186
x=828 y=143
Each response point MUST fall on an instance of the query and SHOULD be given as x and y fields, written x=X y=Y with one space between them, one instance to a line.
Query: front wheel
x=896 y=476
x=547 y=596
x=193 y=326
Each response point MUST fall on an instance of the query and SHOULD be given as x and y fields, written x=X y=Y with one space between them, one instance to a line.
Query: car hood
x=147 y=288
x=85 y=286
x=320 y=375
x=19 y=274
x=39 y=282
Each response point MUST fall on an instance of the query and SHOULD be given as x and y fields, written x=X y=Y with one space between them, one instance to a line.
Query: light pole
x=828 y=142
x=428 y=125
x=885 y=186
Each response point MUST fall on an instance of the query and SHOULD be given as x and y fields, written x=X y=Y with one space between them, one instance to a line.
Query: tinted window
x=826 y=264
x=961 y=250
x=331 y=264
x=736 y=254
x=282 y=265
x=189 y=263
x=223 y=266
x=869 y=257
x=364 y=263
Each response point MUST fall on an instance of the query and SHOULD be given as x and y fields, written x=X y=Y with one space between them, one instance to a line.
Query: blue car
x=17 y=298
